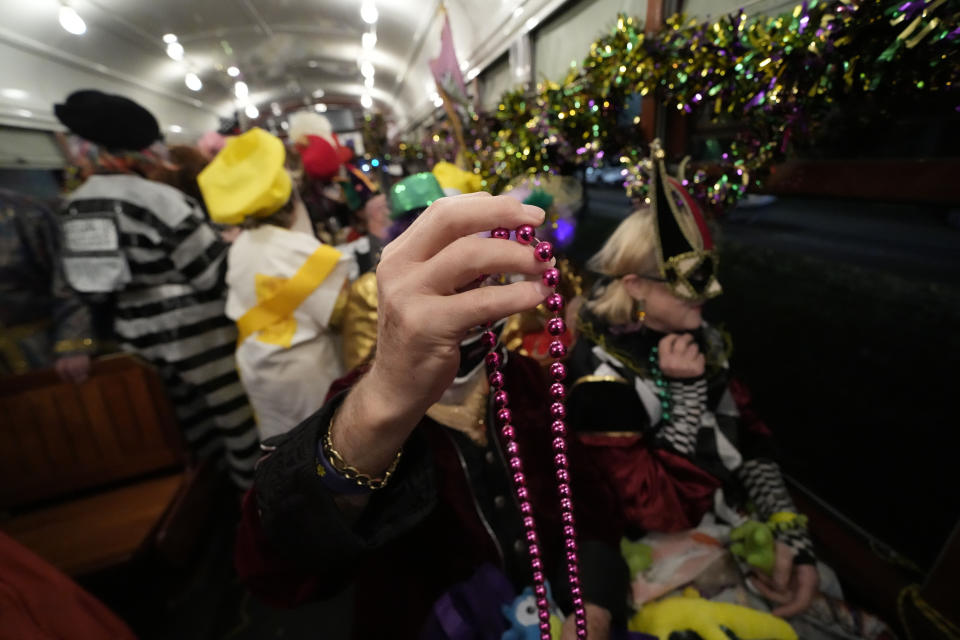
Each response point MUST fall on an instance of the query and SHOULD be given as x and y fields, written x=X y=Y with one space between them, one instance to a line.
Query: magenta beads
x=556 y=327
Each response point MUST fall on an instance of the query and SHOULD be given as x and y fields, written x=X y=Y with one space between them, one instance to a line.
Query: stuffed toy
x=690 y=612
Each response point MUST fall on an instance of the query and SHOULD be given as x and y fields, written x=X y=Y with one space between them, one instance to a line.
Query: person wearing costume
x=284 y=284
x=345 y=205
x=399 y=483
x=42 y=321
x=408 y=198
x=150 y=247
x=653 y=398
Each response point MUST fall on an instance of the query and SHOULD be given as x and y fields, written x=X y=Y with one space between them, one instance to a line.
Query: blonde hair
x=630 y=249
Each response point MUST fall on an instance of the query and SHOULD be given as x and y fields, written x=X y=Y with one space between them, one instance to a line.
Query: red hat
x=323 y=160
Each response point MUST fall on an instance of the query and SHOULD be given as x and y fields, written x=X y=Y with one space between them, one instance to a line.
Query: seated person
x=336 y=503
x=651 y=392
x=283 y=283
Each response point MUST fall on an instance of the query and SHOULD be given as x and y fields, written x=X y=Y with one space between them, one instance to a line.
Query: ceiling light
x=464 y=65
x=437 y=101
x=367 y=70
x=369 y=40
x=530 y=24
x=284 y=125
x=233 y=72
x=368 y=12
x=193 y=82
x=368 y=82
x=169 y=37
x=252 y=111
x=71 y=21
x=175 y=51
x=518 y=12
x=320 y=107
x=175 y=128
x=366 y=101
x=313 y=64
x=26 y=113
x=13 y=94
x=241 y=90
x=275 y=109
x=318 y=93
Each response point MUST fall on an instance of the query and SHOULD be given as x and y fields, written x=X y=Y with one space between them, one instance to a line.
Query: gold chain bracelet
x=352 y=473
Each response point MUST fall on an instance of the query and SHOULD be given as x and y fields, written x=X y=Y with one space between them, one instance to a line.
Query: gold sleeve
x=360 y=321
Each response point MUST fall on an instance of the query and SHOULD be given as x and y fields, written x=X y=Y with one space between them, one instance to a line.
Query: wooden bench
x=92 y=475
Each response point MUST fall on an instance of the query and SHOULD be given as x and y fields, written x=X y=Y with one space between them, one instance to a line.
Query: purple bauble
x=525 y=234
x=493 y=361
x=558 y=371
x=554 y=302
x=500 y=233
x=551 y=277
x=543 y=251
x=504 y=416
x=557 y=391
x=496 y=379
x=556 y=326
x=557 y=350
x=500 y=399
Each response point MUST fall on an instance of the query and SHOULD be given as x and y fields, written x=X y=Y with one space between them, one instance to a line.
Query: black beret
x=111 y=121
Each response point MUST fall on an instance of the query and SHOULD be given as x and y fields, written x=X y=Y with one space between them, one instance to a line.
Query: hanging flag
x=446 y=68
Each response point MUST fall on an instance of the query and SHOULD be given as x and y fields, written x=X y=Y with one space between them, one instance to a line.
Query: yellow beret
x=246 y=179
x=451 y=177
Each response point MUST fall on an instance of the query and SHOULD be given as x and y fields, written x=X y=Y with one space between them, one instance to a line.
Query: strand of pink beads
x=556 y=327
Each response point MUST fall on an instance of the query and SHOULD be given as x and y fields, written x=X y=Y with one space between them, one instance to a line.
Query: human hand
x=680 y=357
x=598 y=624
x=426 y=306
x=73 y=369
x=792 y=586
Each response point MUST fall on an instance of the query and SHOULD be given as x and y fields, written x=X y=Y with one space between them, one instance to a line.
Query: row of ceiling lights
x=72 y=23
x=370 y=15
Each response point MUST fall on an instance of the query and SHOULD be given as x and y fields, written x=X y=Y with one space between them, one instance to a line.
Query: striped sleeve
x=197 y=252
x=764 y=484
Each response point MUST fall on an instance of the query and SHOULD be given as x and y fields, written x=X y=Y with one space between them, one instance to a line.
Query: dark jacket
x=448 y=509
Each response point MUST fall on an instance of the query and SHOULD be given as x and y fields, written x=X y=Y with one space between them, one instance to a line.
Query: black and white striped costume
x=151 y=247
x=705 y=427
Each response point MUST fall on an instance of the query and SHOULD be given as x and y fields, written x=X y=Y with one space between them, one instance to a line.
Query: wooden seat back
x=59 y=438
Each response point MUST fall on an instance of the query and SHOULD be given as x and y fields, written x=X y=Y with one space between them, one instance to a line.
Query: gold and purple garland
x=775 y=77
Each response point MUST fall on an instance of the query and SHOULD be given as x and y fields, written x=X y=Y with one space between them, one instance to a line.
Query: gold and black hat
x=685 y=253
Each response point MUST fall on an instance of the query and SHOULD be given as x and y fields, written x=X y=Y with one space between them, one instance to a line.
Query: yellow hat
x=246 y=179
x=451 y=177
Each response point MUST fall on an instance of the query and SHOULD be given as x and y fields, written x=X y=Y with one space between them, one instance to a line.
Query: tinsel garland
x=775 y=77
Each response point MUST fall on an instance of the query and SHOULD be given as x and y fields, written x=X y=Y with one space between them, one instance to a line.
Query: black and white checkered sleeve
x=764 y=484
x=688 y=404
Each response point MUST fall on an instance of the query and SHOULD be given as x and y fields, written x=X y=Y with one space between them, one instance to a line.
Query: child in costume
x=653 y=397
x=283 y=283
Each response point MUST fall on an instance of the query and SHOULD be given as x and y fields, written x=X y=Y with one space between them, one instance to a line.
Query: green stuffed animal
x=639 y=556
x=753 y=541
x=690 y=612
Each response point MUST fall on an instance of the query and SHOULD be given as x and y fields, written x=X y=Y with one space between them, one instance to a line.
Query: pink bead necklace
x=556 y=328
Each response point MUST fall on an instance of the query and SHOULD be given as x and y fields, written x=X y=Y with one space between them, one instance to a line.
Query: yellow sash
x=288 y=295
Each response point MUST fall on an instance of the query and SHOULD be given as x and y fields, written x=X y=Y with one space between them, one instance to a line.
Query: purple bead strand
x=556 y=328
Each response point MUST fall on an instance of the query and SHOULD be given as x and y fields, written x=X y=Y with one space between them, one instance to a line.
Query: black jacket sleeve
x=303 y=526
